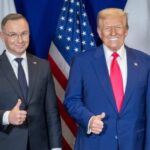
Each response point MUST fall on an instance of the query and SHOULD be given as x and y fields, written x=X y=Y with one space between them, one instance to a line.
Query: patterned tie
x=116 y=81
x=22 y=78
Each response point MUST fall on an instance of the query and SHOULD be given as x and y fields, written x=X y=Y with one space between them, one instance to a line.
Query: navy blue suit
x=89 y=93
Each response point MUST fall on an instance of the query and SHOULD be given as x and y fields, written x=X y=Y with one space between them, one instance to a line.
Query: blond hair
x=112 y=12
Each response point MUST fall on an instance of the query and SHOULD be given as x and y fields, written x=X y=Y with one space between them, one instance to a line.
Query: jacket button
x=116 y=137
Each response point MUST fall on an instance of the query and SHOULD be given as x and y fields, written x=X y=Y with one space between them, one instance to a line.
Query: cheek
x=9 y=42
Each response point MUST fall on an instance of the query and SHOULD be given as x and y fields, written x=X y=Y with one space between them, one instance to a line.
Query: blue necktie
x=22 y=79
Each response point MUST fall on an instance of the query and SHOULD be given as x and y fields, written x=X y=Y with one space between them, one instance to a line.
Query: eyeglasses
x=15 y=36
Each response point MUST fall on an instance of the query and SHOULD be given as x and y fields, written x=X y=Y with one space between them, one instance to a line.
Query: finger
x=23 y=112
x=102 y=116
x=17 y=106
x=96 y=131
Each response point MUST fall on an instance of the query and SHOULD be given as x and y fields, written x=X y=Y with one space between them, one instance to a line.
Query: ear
x=1 y=35
x=126 y=32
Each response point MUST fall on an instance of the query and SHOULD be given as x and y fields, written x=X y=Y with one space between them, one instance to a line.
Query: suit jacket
x=42 y=127
x=89 y=93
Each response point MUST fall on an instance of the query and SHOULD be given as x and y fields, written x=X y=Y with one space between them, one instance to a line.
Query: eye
x=25 y=34
x=118 y=27
x=13 y=35
x=107 y=28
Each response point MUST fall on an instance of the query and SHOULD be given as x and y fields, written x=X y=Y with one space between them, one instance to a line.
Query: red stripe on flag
x=65 y=146
x=70 y=123
x=57 y=73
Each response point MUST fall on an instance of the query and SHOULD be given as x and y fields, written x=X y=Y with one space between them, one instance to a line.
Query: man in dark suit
x=108 y=99
x=29 y=118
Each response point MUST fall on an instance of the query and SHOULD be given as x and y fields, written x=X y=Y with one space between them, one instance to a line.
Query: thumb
x=17 y=106
x=102 y=116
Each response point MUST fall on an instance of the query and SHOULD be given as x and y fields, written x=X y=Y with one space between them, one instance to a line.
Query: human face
x=15 y=35
x=112 y=31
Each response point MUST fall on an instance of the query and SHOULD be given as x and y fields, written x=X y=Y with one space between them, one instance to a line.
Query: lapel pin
x=135 y=64
x=34 y=62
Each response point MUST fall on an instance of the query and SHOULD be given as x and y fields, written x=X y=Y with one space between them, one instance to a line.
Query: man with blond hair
x=109 y=98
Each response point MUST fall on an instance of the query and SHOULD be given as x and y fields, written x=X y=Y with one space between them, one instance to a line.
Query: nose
x=19 y=38
x=113 y=31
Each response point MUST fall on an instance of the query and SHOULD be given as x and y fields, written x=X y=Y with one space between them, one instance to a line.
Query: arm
x=74 y=96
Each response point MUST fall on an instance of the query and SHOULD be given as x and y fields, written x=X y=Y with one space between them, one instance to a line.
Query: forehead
x=16 y=25
x=113 y=21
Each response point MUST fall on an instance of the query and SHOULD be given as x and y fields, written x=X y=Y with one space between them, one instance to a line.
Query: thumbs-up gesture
x=96 y=123
x=17 y=116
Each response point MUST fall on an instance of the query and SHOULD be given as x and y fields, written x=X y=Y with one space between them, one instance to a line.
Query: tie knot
x=115 y=55
x=18 y=60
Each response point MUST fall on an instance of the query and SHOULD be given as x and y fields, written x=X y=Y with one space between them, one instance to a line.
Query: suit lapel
x=101 y=70
x=9 y=74
x=132 y=75
x=33 y=73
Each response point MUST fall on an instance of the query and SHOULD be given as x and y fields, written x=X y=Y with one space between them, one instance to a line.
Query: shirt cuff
x=88 y=129
x=56 y=149
x=5 y=120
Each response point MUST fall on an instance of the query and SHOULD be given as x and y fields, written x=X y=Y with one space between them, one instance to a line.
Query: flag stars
x=76 y=49
x=61 y=27
x=83 y=43
x=83 y=6
x=70 y=20
x=84 y=24
x=77 y=40
x=84 y=14
x=72 y=1
x=92 y=43
x=67 y=47
x=71 y=10
x=92 y=34
x=62 y=18
x=78 y=4
x=77 y=31
x=78 y=21
x=64 y=8
x=78 y=13
x=69 y=29
x=59 y=36
x=83 y=33
x=68 y=38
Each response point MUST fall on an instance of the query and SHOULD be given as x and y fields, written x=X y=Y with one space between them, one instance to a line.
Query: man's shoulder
x=36 y=59
x=138 y=52
x=88 y=53
x=139 y=55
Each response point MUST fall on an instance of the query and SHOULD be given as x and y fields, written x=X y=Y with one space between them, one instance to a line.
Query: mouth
x=20 y=45
x=113 y=39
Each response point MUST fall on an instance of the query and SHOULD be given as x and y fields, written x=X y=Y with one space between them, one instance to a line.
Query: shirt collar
x=11 y=56
x=108 y=53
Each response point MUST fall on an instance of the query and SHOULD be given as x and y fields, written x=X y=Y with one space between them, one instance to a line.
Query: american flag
x=73 y=36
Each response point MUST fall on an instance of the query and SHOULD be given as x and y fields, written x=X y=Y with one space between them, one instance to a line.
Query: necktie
x=22 y=78
x=116 y=81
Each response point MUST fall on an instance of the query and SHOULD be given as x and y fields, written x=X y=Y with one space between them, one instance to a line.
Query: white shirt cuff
x=56 y=149
x=88 y=129
x=5 y=120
